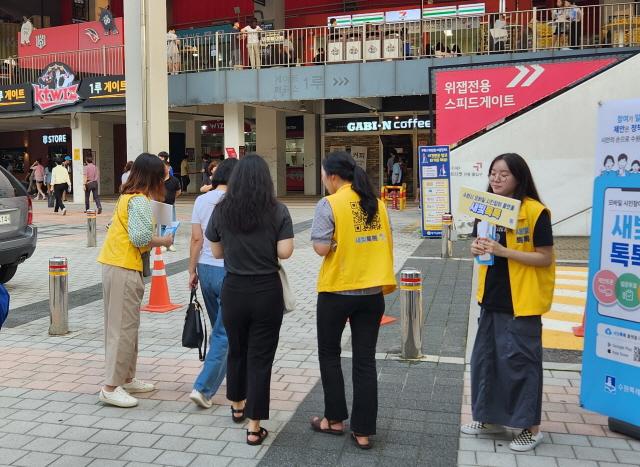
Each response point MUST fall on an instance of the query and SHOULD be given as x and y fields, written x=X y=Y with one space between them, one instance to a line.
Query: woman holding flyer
x=506 y=363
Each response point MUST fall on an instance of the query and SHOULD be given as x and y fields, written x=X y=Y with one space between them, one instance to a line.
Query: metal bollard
x=411 y=313
x=447 y=244
x=91 y=227
x=58 y=296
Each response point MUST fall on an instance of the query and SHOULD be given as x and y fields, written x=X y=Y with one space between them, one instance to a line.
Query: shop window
x=80 y=11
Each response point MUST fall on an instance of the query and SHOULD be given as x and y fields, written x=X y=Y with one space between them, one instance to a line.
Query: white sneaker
x=163 y=249
x=479 y=428
x=64 y=212
x=200 y=400
x=138 y=386
x=119 y=397
x=526 y=441
x=172 y=248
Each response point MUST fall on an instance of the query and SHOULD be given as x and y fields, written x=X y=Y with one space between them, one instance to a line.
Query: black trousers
x=252 y=311
x=91 y=187
x=185 y=182
x=364 y=313
x=58 y=190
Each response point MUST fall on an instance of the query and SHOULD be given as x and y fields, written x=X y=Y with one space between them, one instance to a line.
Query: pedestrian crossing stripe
x=569 y=300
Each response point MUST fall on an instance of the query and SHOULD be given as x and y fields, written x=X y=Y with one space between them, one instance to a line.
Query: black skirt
x=506 y=370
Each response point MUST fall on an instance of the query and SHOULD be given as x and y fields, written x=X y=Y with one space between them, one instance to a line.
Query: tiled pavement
x=49 y=414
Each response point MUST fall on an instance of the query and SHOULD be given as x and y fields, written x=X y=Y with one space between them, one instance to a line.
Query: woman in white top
x=210 y=273
x=173 y=52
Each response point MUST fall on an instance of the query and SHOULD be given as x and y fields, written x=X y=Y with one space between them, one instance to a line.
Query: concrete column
x=271 y=129
x=234 y=126
x=146 y=74
x=311 y=153
x=273 y=10
x=106 y=158
x=80 y=140
x=193 y=140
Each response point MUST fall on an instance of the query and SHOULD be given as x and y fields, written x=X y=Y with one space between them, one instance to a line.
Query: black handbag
x=51 y=200
x=194 y=333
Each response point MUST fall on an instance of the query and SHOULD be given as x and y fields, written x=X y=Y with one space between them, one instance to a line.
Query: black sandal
x=261 y=434
x=239 y=419
x=360 y=445
x=316 y=425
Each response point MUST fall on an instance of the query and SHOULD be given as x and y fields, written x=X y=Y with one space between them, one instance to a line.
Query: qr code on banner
x=360 y=219
x=636 y=354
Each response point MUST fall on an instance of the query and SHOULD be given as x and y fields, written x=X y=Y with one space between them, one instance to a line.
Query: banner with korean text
x=435 y=188
x=611 y=358
x=495 y=209
x=472 y=100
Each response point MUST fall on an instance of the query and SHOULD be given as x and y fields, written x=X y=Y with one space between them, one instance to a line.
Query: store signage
x=402 y=15
x=611 y=357
x=55 y=88
x=495 y=209
x=471 y=100
x=103 y=90
x=388 y=125
x=359 y=154
x=15 y=98
x=54 y=139
x=435 y=188
x=341 y=20
x=231 y=153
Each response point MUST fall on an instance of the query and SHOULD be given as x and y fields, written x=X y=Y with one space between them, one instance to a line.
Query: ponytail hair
x=341 y=164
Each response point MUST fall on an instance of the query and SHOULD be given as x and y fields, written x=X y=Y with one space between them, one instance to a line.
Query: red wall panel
x=204 y=12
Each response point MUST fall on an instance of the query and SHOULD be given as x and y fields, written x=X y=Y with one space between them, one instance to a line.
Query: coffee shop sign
x=388 y=125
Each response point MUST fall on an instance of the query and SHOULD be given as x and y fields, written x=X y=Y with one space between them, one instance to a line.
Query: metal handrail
x=594 y=26
x=575 y=214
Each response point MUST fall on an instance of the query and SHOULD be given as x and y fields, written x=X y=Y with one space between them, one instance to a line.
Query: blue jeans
x=215 y=364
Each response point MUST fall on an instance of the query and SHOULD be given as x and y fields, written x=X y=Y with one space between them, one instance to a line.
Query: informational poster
x=435 y=195
x=618 y=149
x=495 y=209
x=359 y=153
x=611 y=358
x=337 y=149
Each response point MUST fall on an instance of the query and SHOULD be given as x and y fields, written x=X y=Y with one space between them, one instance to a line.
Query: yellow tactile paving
x=569 y=300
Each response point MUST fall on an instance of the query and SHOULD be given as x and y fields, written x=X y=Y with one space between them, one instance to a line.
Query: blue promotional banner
x=435 y=188
x=611 y=358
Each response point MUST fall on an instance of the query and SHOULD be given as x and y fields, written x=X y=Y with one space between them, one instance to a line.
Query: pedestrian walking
x=125 y=174
x=60 y=183
x=351 y=231
x=506 y=362
x=91 y=176
x=129 y=237
x=211 y=170
x=184 y=174
x=172 y=190
x=251 y=230
x=251 y=33
x=38 y=177
x=69 y=168
x=209 y=272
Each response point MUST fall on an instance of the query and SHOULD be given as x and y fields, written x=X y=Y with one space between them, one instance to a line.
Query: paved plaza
x=49 y=414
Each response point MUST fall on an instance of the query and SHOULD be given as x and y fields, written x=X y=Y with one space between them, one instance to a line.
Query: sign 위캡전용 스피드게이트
x=611 y=357
x=495 y=209
x=435 y=188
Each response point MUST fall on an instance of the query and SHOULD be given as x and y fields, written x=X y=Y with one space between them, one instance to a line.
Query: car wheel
x=7 y=272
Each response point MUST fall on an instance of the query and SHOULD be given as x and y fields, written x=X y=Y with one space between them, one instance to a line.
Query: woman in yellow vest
x=351 y=231
x=130 y=235
x=506 y=363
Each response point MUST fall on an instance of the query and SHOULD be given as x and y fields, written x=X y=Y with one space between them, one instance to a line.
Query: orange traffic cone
x=387 y=320
x=159 y=299
x=578 y=331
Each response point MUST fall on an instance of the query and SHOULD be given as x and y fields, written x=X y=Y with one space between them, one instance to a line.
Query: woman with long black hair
x=506 y=363
x=351 y=231
x=251 y=230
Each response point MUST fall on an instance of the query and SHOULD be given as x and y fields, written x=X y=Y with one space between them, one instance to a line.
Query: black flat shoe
x=261 y=434
x=359 y=444
x=237 y=419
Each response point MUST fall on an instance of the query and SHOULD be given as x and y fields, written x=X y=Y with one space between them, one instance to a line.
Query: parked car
x=17 y=234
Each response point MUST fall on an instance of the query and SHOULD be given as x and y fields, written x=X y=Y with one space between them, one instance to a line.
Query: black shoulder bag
x=194 y=333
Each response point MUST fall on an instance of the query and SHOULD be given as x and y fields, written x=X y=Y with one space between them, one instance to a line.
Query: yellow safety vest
x=531 y=287
x=118 y=249
x=363 y=257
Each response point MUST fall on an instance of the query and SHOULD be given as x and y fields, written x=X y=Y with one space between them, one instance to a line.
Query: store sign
x=231 y=153
x=611 y=357
x=471 y=100
x=15 y=98
x=103 y=90
x=391 y=124
x=402 y=15
x=54 y=139
x=55 y=88
x=435 y=188
x=359 y=154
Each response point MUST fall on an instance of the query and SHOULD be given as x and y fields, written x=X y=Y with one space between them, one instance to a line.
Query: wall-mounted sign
x=359 y=154
x=55 y=87
x=341 y=20
x=15 y=97
x=366 y=124
x=54 y=139
x=231 y=153
x=364 y=18
x=402 y=15
x=103 y=90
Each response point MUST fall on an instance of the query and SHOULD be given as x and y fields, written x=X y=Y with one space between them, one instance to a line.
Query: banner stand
x=620 y=426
